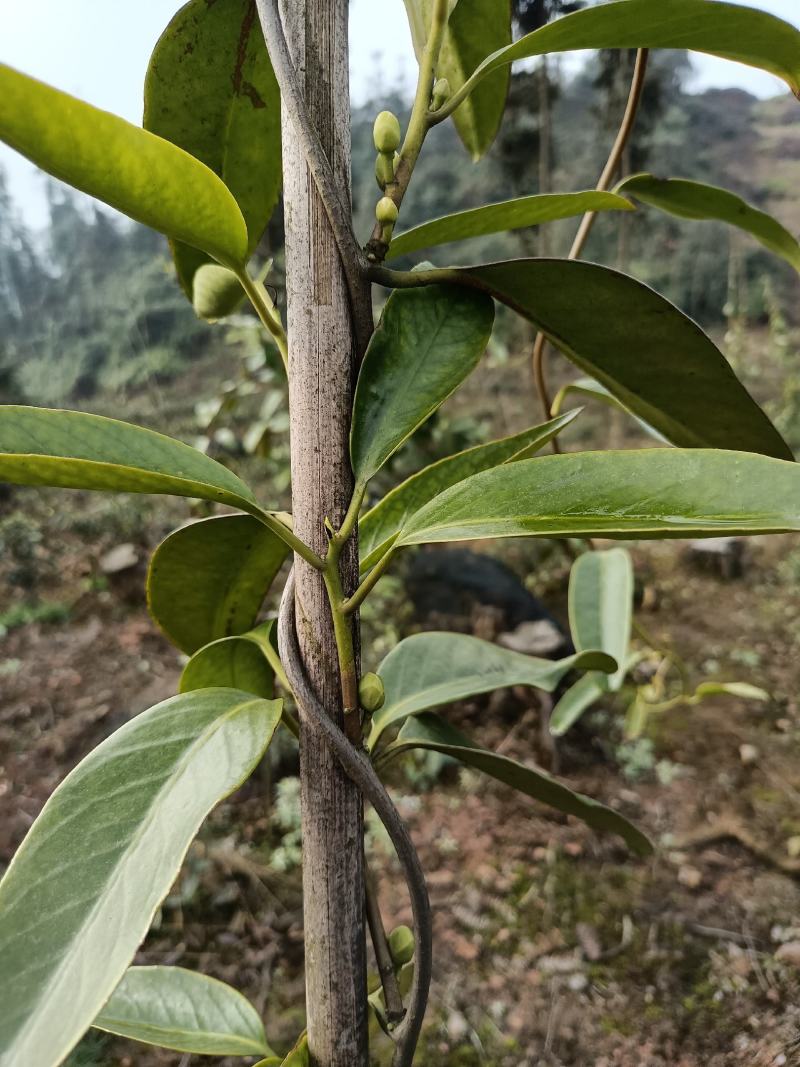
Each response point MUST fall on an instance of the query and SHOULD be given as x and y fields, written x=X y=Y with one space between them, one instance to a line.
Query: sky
x=98 y=50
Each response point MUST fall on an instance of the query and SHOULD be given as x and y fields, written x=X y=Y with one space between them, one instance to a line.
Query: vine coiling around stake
x=360 y=770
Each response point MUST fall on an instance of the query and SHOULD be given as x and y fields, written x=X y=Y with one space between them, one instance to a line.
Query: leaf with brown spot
x=211 y=90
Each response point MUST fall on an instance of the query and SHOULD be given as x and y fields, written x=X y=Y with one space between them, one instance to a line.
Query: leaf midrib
x=115 y=875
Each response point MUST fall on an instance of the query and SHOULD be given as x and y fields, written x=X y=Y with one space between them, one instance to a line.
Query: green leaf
x=499 y=218
x=737 y=689
x=696 y=200
x=216 y=292
x=74 y=450
x=430 y=732
x=235 y=662
x=82 y=890
x=427 y=342
x=588 y=387
x=601 y=606
x=645 y=351
x=134 y=171
x=475 y=29
x=647 y=493
x=730 y=31
x=381 y=524
x=208 y=580
x=211 y=90
x=182 y=1010
x=575 y=701
x=429 y=669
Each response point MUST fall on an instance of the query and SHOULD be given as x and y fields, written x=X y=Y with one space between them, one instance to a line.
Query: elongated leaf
x=588 y=387
x=730 y=31
x=381 y=524
x=499 y=218
x=735 y=689
x=131 y=169
x=475 y=29
x=645 y=351
x=182 y=1010
x=211 y=90
x=648 y=493
x=84 y=886
x=235 y=662
x=696 y=200
x=575 y=701
x=73 y=450
x=601 y=606
x=429 y=669
x=208 y=580
x=427 y=342
x=636 y=344
x=431 y=732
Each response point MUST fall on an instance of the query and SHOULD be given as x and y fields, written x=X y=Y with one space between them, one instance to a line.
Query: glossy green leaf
x=82 y=890
x=475 y=29
x=381 y=524
x=427 y=342
x=208 y=580
x=601 y=606
x=235 y=662
x=499 y=218
x=430 y=669
x=216 y=292
x=588 y=387
x=74 y=450
x=211 y=90
x=433 y=733
x=648 y=493
x=696 y=200
x=730 y=31
x=134 y=171
x=182 y=1010
x=645 y=351
x=580 y=696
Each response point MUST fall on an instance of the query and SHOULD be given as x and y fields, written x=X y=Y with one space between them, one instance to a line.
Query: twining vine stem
x=337 y=208
x=358 y=767
x=383 y=954
x=587 y=222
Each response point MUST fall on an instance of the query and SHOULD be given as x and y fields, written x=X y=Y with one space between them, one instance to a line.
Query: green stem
x=351 y=518
x=266 y=311
x=418 y=125
x=354 y=602
x=290 y=538
x=345 y=646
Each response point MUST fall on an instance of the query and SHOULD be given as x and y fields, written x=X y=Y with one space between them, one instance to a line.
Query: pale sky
x=98 y=50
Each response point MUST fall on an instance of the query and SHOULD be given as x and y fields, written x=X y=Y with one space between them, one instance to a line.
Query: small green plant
x=601 y=590
x=207 y=170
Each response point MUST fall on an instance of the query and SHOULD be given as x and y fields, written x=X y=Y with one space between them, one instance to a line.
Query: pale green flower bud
x=386 y=133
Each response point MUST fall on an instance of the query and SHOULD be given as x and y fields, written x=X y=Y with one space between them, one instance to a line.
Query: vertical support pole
x=321 y=375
